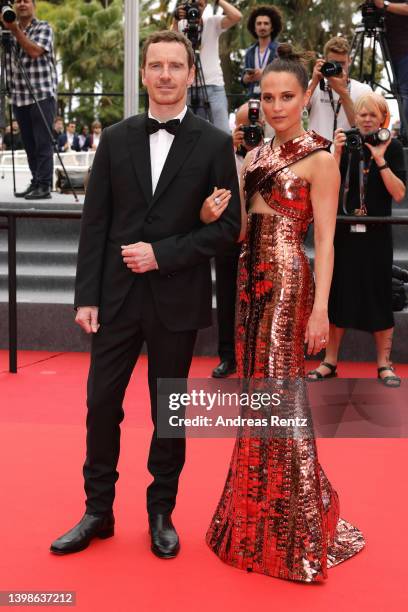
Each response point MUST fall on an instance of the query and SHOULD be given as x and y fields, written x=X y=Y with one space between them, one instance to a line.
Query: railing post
x=12 y=293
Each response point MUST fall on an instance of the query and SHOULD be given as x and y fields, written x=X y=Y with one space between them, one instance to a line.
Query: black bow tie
x=154 y=126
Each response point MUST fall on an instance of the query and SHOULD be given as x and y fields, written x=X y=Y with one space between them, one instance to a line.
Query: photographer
x=210 y=29
x=332 y=99
x=396 y=35
x=247 y=135
x=361 y=291
x=264 y=23
x=33 y=45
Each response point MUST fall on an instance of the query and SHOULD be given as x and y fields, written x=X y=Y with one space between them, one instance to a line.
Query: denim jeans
x=401 y=69
x=218 y=105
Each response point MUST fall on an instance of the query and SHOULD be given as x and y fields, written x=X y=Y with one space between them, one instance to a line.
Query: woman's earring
x=305 y=114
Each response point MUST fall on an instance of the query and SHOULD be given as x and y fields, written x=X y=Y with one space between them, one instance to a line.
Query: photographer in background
x=396 y=35
x=33 y=45
x=332 y=98
x=361 y=290
x=248 y=134
x=264 y=23
x=210 y=29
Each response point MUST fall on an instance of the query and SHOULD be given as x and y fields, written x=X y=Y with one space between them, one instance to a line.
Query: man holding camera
x=396 y=34
x=248 y=134
x=333 y=93
x=210 y=28
x=33 y=46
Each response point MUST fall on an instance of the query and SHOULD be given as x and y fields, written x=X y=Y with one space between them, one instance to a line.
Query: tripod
x=374 y=30
x=198 y=91
x=5 y=63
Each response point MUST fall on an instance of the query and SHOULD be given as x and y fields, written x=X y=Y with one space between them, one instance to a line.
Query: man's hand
x=379 y=3
x=238 y=137
x=87 y=318
x=139 y=257
x=317 y=75
x=13 y=26
x=339 y=85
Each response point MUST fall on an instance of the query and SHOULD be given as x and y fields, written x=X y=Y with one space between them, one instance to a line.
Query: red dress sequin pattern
x=278 y=513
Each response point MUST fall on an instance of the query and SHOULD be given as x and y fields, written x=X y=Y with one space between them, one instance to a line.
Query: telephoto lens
x=7 y=11
x=331 y=69
x=379 y=137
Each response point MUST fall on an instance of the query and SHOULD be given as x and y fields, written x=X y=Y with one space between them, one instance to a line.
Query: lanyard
x=336 y=109
x=264 y=56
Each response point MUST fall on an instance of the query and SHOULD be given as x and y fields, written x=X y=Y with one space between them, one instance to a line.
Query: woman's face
x=283 y=100
x=368 y=120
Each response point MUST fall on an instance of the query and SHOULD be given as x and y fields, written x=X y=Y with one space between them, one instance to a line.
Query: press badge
x=358 y=228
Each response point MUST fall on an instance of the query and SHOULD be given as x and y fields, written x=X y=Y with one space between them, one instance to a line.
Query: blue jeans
x=401 y=69
x=218 y=105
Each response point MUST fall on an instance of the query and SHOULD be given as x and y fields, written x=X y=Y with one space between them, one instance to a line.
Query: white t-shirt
x=209 y=48
x=321 y=115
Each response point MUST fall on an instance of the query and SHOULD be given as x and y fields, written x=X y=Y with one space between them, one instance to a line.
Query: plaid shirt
x=41 y=71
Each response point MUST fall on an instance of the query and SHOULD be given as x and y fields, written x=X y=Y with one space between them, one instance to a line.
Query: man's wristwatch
x=383 y=167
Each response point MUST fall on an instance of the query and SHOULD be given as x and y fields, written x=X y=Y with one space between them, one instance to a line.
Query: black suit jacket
x=120 y=209
x=62 y=141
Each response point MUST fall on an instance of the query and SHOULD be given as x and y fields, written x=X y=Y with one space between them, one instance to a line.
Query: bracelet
x=383 y=167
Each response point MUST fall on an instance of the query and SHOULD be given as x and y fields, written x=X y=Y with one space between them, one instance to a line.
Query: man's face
x=341 y=58
x=263 y=26
x=71 y=127
x=58 y=125
x=166 y=74
x=15 y=126
x=24 y=8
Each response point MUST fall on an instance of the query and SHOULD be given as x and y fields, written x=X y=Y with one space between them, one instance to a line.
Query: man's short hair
x=169 y=36
x=270 y=11
x=337 y=44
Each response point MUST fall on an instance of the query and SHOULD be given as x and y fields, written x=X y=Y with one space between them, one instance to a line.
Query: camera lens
x=330 y=69
x=383 y=134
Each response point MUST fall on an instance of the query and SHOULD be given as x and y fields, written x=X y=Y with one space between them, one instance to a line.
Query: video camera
x=253 y=133
x=355 y=139
x=7 y=11
x=372 y=16
x=193 y=17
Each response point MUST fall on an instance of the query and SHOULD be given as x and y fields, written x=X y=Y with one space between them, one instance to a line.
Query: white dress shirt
x=160 y=143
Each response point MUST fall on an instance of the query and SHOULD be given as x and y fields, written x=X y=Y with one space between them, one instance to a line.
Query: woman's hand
x=214 y=205
x=378 y=152
x=339 y=141
x=317 y=332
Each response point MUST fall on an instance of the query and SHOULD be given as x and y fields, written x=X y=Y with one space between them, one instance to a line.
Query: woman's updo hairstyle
x=289 y=60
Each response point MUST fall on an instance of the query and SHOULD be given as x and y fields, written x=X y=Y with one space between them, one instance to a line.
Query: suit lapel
x=138 y=142
x=182 y=145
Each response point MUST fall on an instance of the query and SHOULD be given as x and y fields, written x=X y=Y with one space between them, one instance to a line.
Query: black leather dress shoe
x=27 y=190
x=164 y=537
x=79 y=537
x=224 y=369
x=42 y=192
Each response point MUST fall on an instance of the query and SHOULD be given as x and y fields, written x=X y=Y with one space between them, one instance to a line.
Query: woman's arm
x=324 y=192
x=393 y=184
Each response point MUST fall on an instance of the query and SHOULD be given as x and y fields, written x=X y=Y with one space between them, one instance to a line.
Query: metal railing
x=11 y=215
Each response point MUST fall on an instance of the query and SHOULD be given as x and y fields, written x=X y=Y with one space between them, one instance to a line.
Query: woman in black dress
x=361 y=291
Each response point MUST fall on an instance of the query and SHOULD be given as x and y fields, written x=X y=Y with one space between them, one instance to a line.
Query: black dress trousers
x=115 y=350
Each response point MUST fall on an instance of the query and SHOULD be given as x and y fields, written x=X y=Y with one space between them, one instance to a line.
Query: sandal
x=388 y=381
x=319 y=376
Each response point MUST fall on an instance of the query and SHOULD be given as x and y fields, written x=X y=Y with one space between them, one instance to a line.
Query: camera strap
x=336 y=109
x=363 y=172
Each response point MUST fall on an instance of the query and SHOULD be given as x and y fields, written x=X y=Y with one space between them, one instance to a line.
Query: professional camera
x=7 y=11
x=331 y=69
x=400 y=273
x=253 y=133
x=355 y=139
x=193 y=16
x=373 y=17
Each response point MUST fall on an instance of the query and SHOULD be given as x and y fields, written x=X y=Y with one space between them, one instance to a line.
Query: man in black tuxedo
x=144 y=275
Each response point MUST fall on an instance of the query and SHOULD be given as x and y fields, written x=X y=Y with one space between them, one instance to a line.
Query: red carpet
x=42 y=438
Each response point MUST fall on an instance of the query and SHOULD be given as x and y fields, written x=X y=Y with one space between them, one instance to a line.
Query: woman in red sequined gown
x=278 y=513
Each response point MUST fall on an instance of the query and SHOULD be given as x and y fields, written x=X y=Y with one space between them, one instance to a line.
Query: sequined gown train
x=278 y=513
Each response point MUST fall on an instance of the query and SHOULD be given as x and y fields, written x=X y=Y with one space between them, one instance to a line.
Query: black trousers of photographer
x=36 y=139
x=226 y=267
